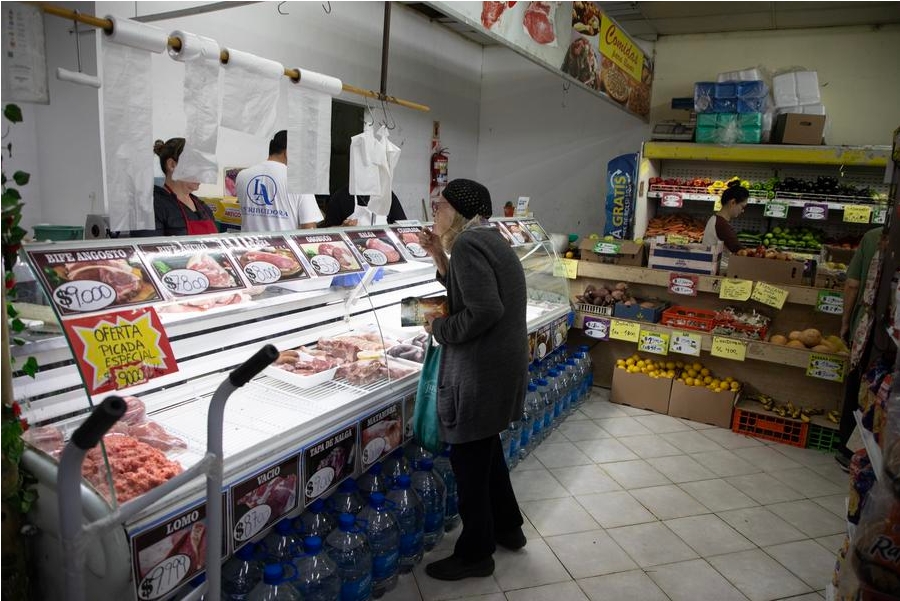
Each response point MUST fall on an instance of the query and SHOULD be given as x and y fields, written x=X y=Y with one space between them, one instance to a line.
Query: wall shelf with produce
x=165 y=319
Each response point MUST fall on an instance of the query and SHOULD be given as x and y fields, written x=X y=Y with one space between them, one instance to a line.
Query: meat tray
x=300 y=381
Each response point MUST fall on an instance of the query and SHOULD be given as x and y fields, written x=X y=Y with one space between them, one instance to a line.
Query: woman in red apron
x=178 y=211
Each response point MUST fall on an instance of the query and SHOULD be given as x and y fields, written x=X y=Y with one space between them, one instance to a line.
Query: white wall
x=538 y=140
x=859 y=74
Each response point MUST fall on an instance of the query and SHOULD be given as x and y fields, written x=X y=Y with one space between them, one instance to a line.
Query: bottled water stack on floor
x=316 y=575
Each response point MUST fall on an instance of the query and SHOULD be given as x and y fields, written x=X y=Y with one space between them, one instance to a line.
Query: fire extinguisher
x=439 y=168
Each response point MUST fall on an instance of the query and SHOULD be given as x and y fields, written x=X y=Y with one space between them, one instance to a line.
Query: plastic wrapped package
x=704 y=93
x=796 y=88
x=876 y=548
x=890 y=444
x=862 y=479
x=749 y=74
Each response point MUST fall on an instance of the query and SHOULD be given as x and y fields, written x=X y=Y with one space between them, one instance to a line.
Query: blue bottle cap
x=584 y=348
x=425 y=464
x=346 y=521
x=348 y=485
x=317 y=506
x=570 y=361
x=532 y=387
x=284 y=527
x=312 y=544
x=375 y=470
x=553 y=373
x=543 y=382
x=246 y=552
x=404 y=481
x=273 y=574
x=376 y=499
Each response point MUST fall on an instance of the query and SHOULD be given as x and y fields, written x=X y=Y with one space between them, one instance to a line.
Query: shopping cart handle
x=252 y=366
x=98 y=422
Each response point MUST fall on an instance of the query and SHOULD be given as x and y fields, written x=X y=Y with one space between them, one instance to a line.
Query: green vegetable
x=53 y=277
x=161 y=267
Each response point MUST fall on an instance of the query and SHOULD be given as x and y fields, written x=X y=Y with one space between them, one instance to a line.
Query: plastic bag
x=426 y=424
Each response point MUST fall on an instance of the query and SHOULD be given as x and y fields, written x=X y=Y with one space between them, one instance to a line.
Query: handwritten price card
x=769 y=295
x=857 y=214
x=683 y=284
x=728 y=348
x=830 y=302
x=654 y=342
x=596 y=327
x=186 y=269
x=777 y=210
x=565 y=268
x=737 y=290
x=825 y=367
x=685 y=344
x=261 y=499
x=119 y=350
x=879 y=215
x=624 y=330
x=265 y=259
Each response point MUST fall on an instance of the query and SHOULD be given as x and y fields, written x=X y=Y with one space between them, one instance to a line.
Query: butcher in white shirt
x=266 y=205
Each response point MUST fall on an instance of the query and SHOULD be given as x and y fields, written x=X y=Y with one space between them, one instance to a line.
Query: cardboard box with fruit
x=643 y=382
x=699 y=395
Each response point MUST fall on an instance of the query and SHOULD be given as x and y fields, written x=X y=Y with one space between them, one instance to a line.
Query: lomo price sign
x=596 y=327
x=830 y=302
x=261 y=499
x=654 y=342
x=813 y=211
x=685 y=285
x=825 y=367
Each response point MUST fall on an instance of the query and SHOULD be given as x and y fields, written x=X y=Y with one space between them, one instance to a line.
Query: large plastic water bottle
x=274 y=586
x=410 y=515
x=434 y=498
x=240 y=574
x=526 y=427
x=544 y=394
x=563 y=380
x=588 y=367
x=416 y=452
x=384 y=541
x=532 y=372
x=348 y=547
x=316 y=575
x=555 y=395
x=281 y=544
x=396 y=465
x=451 y=508
x=534 y=407
x=372 y=481
x=315 y=521
x=511 y=447
x=346 y=498
x=581 y=379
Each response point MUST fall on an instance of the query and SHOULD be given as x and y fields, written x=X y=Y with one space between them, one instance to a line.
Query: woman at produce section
x=718 y=229
x=178 y=212
x=481 y=386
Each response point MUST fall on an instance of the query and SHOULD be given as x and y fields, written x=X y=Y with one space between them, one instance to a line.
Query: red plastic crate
x=770 y=427
x=688 y=319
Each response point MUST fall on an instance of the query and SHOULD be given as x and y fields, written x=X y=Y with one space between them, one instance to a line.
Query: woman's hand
x=430 y=243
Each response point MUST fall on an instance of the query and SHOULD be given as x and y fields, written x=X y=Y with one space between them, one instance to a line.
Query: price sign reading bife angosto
x=262 y=498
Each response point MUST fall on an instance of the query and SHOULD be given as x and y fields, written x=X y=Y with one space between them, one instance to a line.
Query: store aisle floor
x=622 y=503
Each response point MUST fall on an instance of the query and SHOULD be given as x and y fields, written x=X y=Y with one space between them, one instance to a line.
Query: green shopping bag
x=426 y=425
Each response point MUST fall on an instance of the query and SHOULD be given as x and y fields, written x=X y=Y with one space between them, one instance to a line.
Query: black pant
x=487 y=503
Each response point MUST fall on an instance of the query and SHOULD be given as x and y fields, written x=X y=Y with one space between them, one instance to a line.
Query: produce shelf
x=793 y=200
x=865 y=156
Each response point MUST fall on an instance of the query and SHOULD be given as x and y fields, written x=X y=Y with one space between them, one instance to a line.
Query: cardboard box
x=837 y=254
x=685 y=258
x=772 y=271
x=629 y=252
x=639 y=313
x=700 y=404
x=641 y=391
x=792 y=128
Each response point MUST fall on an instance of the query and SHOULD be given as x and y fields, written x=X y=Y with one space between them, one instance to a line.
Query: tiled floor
x=622 y=503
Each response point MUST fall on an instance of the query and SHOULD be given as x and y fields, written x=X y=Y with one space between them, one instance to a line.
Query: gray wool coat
x=484 y=365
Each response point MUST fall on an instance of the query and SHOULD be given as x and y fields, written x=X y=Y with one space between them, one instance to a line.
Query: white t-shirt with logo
x=266 y=205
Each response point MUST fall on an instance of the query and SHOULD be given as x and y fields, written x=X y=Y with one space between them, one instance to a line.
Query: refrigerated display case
x=163 y=319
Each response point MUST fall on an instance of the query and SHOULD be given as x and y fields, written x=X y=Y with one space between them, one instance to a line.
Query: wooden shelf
x=862 y=156
x=800 y=295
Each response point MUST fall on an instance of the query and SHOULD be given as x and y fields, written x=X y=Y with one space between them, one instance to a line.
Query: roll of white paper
x=137 y=35
x=78 y=77
x=320 y=82
x=250 y=93
x=309 y=140
x=194 y=46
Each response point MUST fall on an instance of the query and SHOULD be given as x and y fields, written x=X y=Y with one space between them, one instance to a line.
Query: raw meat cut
x=304 y=364
x=115 y=272
x=492 y=11
x=346 y=348
x=282 y=262
x=48 y=439
x=136 y=467
x=361 y=373
x=539 y=23
x=217 y=275
x=279 y=494
x=390 y=430
x=389 y=251
x=153 y=434
x=338 y=253
x=194 y=545
x=135 y=413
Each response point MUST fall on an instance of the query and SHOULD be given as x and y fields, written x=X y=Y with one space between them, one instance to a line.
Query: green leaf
x=9 y=195
x=11 y=311
x=3 y=181
x=31 y=366
x=17 y=325
x=21 y=178
x=13 y=113
x=19 y=341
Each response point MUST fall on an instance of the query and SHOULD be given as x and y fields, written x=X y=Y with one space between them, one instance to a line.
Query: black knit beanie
x=469 y=198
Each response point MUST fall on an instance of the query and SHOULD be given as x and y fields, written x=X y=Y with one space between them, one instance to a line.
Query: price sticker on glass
x=769 y=295
x=825 y=367
x=685 y=344
x=654 y=342
x=738 y=290
x=728 y=348
x=624 y=330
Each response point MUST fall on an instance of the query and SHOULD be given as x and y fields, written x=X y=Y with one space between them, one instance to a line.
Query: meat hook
x=278 y=8
x=328 y=8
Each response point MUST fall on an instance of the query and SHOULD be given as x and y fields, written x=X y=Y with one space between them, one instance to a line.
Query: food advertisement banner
x=263 y=498
x=186 y=269
x=167 y=555
x=576 y=39
x=329 y=254
x=121 y=349
x=84 y=281
x=560 y=332
x=409 y=238
x=518 y=232
x=381 y=432
x=328 y=461
x=542 y=345
x=266 y=259
x=376 y=247
x=501 y=227
x=537 y=232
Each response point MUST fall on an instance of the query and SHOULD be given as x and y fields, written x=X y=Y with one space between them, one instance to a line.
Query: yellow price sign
x=569 y=269
x=128 y=375
x=857 y=214
x=654 y=342
x=769 y=295
x=728 y=348
x=738 y=290
x=624 y=330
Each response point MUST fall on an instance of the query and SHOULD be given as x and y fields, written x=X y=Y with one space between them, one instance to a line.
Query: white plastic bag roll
x=309 y=132
x=137 y=35
x=250 y=93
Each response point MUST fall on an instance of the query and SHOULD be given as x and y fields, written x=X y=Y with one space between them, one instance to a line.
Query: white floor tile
x=660 y=424
x=651 y=544
x=806 y=457
x=694 y=580
x=602 y=409
x=558 y=516
x=635 y=474
x=585 y=479
x=761 y=526
x=808 y=482
x=577 y=416
x=598 y=393
x=717 y=495
x=726 y=463
x=560 y=454
x=758 y=576
x=764 y=489
x=836 y=504
x=406 y=589
x=634 y=411
x=531 y=463
x=490 y=597
x=634 y=585
x=591 y=553
x=439 y=590
x=697 y=425
x=533 y=485
x=806 y=597
x=605 y=450
x=681 y=468
x=613 y=509
x=832 y=543
x=582 y=430
x=623 y=426
x=809 y=518
x=691 y=442
x=833 y=473
x=554 y=437
x=649 y=446
x=669 y=501
x=767 y=459
x=709 y=535
x=807 y=559
x=535 y=565
x=730 y=440
x=563 y=591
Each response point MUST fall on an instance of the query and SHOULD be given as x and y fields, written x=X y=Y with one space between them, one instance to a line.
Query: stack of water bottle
x=557 y=385
x=352 y=546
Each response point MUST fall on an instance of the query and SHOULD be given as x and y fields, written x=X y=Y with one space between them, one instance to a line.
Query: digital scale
x=674 y=130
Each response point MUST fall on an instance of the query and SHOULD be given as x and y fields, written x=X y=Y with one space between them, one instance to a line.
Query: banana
x=804 y=418
x=834 y=417
x=795 y=413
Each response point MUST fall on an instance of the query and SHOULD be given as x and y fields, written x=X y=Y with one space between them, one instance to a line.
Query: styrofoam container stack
x=798 y=88
x=742 y=75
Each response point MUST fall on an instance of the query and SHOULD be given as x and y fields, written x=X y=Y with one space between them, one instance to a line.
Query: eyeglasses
x=437 y=204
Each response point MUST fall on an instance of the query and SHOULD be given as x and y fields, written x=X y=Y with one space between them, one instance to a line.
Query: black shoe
x=843 y=461
x=512 y=539
x=456 y=568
